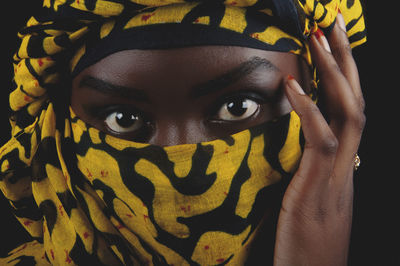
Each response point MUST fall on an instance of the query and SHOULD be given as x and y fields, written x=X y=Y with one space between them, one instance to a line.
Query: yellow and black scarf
x=88 y=198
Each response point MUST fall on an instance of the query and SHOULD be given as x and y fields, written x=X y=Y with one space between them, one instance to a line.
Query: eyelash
x=251 y=95
x=101 y=113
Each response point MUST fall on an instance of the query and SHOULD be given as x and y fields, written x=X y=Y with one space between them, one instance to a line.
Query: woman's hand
x=315 y=219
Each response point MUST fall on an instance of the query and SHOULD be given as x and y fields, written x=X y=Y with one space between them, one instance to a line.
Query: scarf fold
x=79 y=212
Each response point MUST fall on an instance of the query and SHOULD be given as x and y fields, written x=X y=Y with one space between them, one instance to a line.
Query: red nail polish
x=318 y=33
x=337 y=9
x=290 y=77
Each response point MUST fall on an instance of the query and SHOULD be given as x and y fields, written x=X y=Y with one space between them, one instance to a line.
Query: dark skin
x=315 y=218
x=177 y=103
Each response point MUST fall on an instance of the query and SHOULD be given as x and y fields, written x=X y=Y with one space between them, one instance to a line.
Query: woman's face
x=185 y=95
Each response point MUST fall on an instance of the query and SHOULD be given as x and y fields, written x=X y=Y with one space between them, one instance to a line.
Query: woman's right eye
x=123 y=122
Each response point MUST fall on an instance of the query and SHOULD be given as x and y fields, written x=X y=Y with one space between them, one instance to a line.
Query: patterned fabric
x=87 y=198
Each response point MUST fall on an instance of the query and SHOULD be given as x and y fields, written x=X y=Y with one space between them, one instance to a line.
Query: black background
x=376 y=219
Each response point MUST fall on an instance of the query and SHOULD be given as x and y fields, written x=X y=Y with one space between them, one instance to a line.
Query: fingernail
x=319 y=34
x=294 y=85
x=340 y=21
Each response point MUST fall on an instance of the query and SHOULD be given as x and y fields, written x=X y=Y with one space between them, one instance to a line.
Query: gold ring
x=357 y=162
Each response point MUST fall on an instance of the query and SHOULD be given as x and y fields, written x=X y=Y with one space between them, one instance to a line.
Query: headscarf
x=89 y=198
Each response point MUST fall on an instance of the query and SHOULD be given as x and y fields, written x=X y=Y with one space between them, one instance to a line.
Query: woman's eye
x=237 y=109
x=123 y=122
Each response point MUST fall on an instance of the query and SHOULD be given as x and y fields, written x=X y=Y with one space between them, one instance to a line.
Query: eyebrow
x=199 y=90
x=112 y=89
x=232 y=76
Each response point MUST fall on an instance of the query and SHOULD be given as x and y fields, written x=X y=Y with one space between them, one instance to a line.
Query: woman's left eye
x=237 y=109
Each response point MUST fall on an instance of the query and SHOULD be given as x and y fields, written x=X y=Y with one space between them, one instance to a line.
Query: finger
x=340 y=101
x=320 y=143
x=341 y=50
x=346 y=117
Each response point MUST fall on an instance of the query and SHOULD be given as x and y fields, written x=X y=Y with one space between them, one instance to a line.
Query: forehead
x=183 y=64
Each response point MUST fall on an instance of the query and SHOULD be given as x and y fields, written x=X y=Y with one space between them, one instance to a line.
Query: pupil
x=125 y=120
x=237 y=107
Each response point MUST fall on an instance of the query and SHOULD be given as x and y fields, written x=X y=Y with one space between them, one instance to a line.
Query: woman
x=181 y=132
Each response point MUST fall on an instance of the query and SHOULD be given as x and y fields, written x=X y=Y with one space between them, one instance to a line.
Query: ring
x=357 y=162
